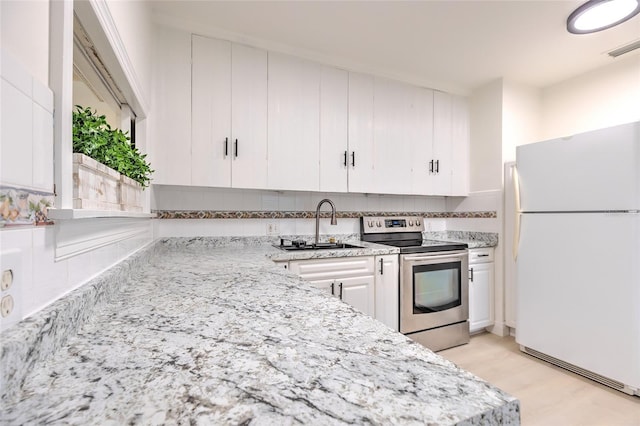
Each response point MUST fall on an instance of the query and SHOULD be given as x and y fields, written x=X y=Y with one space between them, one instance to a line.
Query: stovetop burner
x=404 y=232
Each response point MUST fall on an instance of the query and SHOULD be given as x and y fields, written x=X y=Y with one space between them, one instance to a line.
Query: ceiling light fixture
x=598 y=15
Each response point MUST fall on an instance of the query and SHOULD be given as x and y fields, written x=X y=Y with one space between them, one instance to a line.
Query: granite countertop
x=472 y=239
x=367 y=249
x=202 y=334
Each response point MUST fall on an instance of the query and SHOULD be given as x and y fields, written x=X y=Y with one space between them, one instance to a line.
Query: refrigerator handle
x=517 y=213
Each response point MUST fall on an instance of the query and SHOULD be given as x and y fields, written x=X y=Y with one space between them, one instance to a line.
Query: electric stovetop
x=404 y=232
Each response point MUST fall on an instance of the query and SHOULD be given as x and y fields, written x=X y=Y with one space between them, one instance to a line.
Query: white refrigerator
x=578 y=253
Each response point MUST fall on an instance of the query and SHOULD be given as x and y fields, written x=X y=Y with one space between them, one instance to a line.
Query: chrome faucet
x=333 y=216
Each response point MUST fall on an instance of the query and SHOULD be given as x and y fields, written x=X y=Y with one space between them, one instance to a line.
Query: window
x=93 y=86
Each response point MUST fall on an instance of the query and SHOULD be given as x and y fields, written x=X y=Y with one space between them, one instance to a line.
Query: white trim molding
x=74 y=237
x=66 y=214
x=61 y=83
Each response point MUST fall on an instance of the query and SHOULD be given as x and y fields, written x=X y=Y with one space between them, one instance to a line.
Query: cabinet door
x=421 y=134
x=210 y=112
x=171 y=151
x=442 y=143
x=334 y=91
x=328 y=285
x=387 y=291
x=481 y=296
x=391 y=137
x=361 y=172
x=353 y=277
x=294 y=116
x=358 y=292
x=460 y=146
x=248 y=145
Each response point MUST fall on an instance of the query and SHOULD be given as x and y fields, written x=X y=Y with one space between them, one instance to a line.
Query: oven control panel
x=388 y=224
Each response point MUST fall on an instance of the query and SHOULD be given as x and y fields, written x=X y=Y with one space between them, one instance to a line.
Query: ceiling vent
x=625 y=49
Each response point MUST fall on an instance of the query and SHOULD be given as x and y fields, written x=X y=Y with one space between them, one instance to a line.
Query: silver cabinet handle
x=471 y=274
x=333 y=285
x=483 y=255
x=381 y=266
x=340 y=287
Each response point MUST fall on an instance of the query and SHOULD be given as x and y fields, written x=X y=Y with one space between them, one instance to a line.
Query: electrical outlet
x=272 y=228
x=7 y=279
x=6 y=305
x=11 y=264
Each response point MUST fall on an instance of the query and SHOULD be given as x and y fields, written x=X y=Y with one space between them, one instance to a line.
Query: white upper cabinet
x=360 y=150
x=334 y=150
x=210 y=112
x=422 y=136
x=392 y=136
x=403 y=138
x=442 y=141
x=171 y=105
x=460 y=146
x=229 y=114
x=294 y=123
x=450 y=174
x=248 y=117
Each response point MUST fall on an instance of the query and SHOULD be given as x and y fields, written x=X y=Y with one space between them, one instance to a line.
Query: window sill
x=69 y=214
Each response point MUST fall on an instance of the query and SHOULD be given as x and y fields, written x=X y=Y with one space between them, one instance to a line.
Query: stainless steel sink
x=319 y=246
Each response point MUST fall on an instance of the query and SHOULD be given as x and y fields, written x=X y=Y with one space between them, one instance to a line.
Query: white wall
x=521 y=117
x=486 y=137
x=601 y=98
x=24 y=33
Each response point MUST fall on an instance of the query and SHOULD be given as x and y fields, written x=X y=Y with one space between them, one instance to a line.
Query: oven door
x=434 y=290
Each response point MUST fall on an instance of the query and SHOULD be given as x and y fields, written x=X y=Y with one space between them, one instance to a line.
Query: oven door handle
x=444 y=256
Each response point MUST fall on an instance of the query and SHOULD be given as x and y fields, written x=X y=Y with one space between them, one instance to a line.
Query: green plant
x=94 y=137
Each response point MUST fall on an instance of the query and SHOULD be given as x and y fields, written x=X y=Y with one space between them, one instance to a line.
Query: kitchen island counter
x=220 y=335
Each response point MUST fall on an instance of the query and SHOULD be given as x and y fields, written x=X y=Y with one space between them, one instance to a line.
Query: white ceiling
x=449 y=45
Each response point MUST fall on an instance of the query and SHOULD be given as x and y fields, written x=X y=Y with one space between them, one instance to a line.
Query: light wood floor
x=548 y=395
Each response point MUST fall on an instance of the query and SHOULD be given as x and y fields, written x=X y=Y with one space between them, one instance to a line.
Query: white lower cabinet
x=349 y=278
x=387 y=291
x=481 y=278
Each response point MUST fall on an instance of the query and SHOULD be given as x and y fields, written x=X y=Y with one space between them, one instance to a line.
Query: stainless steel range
x=434 y=286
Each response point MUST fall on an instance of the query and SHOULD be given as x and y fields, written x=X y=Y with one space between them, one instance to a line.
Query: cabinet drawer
x=481 y=255
x=332 y=268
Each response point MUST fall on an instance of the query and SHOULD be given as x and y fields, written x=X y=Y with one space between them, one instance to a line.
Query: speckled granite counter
x=472 y=239
x=202 y=334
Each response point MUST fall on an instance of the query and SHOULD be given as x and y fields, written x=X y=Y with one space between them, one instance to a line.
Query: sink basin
x=319 y=246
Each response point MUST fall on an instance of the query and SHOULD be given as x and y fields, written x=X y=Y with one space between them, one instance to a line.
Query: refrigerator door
x=578 y=294
x=594 y=171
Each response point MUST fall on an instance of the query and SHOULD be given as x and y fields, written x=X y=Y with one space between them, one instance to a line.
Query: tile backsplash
x=26 y=129
x=20 y=206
